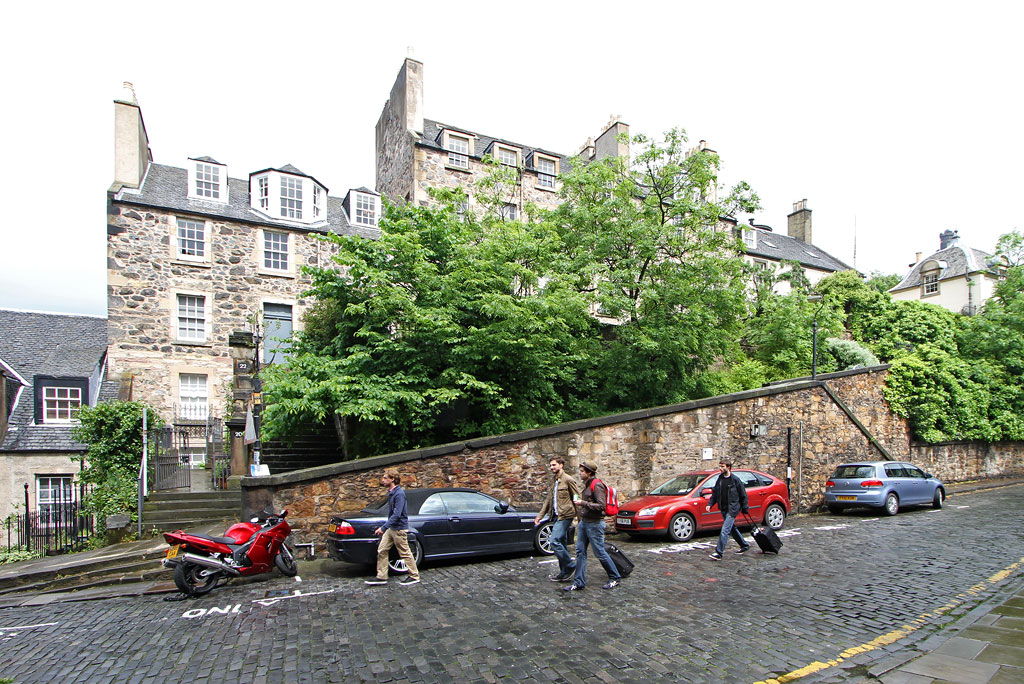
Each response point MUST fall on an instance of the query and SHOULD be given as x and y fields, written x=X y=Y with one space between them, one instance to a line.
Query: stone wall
x=804 y=429
x=144 y=277
x=959 y=461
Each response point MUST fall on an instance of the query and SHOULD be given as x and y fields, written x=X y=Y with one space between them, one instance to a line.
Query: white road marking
x=832 y=527
x=691 y=546
x=298 y=594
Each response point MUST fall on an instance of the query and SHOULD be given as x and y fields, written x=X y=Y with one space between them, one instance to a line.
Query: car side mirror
x=501 y=507
x=706 y=491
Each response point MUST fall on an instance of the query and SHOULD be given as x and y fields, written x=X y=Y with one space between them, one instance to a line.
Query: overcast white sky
x=897 y=119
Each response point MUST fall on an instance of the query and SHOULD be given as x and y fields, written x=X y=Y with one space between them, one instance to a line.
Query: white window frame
x=364 y=209
x=317 y=201
x=457 y=156
x=545 y=178
x=271 y=333
x=199 y=317
x=207 y=181
x=508 y=212
x=178 y=239
x=64 y=483
x=263 y=188
x=64 y=402
x=506 y=155
x=269 y=255
x=291 y=198
x=193 y=396
x=929 y=284
x=749 y=237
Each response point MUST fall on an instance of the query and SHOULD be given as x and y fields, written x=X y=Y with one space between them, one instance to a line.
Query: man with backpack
x=591 y=508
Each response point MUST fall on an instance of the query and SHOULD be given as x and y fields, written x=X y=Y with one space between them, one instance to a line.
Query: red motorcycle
x=200 y=561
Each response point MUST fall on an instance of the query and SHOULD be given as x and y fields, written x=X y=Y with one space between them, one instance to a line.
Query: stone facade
x=143 y=280
x=804 y=428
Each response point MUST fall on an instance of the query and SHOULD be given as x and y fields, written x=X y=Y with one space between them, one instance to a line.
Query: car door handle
x=455 y=519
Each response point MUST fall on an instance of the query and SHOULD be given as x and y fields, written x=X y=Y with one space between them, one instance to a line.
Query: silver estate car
x=888 y=485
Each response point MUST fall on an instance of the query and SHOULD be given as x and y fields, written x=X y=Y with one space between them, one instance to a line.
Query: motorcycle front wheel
x=285 y=561
x=195 y=580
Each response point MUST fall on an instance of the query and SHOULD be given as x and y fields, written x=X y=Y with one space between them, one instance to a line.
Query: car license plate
x=173 y=551
x=622 y=521
x=846 y=498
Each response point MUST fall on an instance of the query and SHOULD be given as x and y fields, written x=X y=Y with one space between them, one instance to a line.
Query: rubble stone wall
x=804 y=429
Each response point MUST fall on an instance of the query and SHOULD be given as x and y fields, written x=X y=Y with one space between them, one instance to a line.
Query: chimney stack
x=917 y=260
x=607 y=144
x=131 y=144
x=948 y=238
x=800 y=222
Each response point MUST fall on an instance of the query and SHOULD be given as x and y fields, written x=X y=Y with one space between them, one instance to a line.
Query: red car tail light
x=344 y=528
x=871 y=483
x=830 y=483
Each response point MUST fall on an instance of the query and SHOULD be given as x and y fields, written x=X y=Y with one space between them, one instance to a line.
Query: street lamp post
x=814 y=334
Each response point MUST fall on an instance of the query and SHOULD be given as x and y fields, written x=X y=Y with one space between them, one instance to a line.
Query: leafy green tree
x=113 y=432
x=1011 y=246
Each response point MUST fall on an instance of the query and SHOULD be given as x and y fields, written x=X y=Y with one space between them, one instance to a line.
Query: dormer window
x=547 y=169
x=280 y=194
x=365 y=209
x=748 y=236
x=507 y=156
x=460 y=148
x=930 y=283
x=208 y=180
x=291 y=197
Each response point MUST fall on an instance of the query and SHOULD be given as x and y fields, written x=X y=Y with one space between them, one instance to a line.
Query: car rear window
x=852 y=472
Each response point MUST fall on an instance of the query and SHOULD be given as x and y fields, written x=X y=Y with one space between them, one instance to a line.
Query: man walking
x=394 y=532
x=558 y=505
x=731 y=497
x=591 y=530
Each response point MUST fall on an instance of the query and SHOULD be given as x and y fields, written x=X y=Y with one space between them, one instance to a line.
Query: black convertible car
x=443 y=523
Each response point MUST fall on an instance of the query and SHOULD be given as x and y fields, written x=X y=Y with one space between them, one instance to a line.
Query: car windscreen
x=853 y=472
x=678 y=486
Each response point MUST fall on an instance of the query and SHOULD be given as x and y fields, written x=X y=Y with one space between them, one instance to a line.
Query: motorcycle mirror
x=255 y=520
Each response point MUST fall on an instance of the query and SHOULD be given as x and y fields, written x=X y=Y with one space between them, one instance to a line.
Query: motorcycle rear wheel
x=195 y=580
x=285 y=561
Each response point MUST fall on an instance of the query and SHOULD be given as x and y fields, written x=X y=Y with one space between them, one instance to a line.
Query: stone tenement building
x=194 y=254
x=415 y=153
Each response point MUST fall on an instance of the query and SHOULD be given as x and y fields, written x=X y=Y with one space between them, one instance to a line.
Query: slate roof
x=432 y=138
x=777 y=246
x=35 y=343
x=960 y=261
x=166 y=187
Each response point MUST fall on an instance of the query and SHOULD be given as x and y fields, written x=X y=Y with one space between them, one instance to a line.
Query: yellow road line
x=896 y=634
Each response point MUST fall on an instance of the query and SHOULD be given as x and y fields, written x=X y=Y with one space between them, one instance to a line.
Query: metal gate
x=189 y=451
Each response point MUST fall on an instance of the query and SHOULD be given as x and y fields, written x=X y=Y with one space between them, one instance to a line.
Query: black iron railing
x=57 y=527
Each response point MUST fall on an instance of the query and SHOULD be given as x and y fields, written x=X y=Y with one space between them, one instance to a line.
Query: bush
x=15 y=554
x=849 y=354
x=113 y=431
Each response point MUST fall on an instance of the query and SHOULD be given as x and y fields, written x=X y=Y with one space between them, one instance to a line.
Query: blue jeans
x=559 y=535
x=729 y=527
x=587 y=534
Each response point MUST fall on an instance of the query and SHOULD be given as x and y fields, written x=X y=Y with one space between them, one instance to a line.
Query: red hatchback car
x=676 y=508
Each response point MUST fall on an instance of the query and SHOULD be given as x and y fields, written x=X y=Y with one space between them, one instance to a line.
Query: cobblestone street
x=850 y=589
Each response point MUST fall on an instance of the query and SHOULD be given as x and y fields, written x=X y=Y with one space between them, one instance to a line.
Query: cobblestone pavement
x=846 y=593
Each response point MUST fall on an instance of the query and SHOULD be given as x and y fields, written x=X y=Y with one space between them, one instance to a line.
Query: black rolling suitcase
x=622 y=564
x=766 y=538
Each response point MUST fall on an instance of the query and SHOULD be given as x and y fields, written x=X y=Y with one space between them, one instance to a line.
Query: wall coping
x=373 y=462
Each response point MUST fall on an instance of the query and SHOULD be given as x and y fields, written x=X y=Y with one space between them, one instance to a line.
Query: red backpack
x=611 y=501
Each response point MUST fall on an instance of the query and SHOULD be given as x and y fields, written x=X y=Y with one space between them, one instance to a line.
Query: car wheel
x=397 y=564
x=835 y=510
x=775 y=516
x=892 y=504
x=940 y=496
x=542 y=538
x=682 y=527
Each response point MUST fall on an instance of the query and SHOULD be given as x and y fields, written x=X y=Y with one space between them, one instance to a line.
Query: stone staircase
x=86 y=571
x=176 y=509
x=310 y=446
